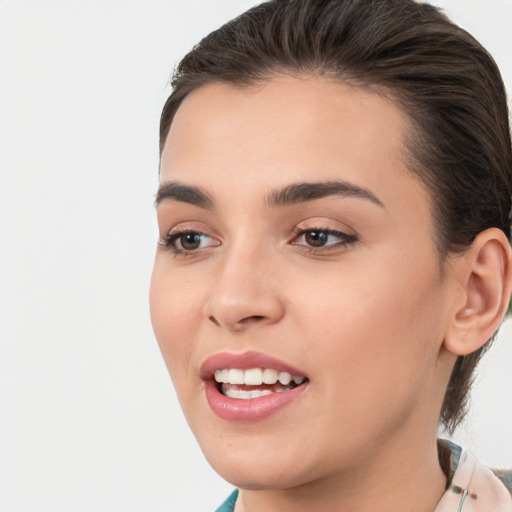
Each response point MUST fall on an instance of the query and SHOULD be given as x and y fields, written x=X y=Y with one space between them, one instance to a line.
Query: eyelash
x=169 y=241
x=345 y=240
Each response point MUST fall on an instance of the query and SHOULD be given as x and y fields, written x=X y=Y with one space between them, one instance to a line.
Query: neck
x=392 y=480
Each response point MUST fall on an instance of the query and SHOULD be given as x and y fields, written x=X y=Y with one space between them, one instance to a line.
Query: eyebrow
x=304 y=192
x=291 y=194
x=176 y=191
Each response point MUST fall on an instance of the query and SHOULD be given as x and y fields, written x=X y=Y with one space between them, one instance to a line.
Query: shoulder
x=505 y=475
x=469 y=479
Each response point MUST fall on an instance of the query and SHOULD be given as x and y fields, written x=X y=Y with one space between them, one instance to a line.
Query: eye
x=316 y=238
x=323 y=238
x=185 y=242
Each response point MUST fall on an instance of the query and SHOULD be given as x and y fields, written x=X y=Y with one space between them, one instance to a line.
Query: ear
x=484 y=280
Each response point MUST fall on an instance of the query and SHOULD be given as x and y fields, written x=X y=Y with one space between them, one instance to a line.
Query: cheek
x=375 y=328
x=375 y=349
x=175 y=316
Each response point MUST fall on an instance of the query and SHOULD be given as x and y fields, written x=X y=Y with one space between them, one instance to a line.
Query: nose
x=245 y=293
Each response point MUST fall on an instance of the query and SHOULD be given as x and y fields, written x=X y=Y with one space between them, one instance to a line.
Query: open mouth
x=250 y=386
x=255 y=382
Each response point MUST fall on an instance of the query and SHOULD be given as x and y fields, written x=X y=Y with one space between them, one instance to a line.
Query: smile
x=250 y=386
x=255 y=382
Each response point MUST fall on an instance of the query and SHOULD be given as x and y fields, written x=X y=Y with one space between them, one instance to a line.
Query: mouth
x=255 y=382
x=250 y=386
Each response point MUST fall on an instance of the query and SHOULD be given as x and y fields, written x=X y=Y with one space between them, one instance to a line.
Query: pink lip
x=233 y=409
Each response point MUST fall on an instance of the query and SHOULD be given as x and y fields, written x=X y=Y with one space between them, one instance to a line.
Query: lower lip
x=235 y=409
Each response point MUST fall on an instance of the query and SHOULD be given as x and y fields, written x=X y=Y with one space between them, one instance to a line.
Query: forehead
x=286 y=130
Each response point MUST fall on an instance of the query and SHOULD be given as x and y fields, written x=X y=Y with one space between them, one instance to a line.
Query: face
x=295 y=244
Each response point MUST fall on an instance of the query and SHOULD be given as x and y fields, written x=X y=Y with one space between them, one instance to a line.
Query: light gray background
x=88 y=417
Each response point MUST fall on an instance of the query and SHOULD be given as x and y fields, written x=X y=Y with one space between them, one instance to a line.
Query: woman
x=334 y=256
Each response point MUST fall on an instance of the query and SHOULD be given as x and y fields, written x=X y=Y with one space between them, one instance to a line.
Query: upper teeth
x=256 y=377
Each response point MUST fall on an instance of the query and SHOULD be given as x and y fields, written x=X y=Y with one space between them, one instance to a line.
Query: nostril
x=251 y=319
x=213 y=320
x=238 y=324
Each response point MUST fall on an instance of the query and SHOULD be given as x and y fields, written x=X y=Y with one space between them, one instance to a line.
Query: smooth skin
x=369 y=313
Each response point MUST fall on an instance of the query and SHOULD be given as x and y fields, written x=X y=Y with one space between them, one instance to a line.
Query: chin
x=261 y=477
x=257 y=467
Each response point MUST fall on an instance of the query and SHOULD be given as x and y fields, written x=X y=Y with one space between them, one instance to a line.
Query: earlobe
x=484 y=273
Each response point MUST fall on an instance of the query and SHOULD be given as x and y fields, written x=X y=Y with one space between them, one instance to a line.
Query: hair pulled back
x=448 y=85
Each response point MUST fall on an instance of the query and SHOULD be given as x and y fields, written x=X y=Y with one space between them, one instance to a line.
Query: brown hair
x=440 y=76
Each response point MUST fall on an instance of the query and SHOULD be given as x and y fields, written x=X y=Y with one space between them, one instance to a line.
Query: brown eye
x=323 y=239
x=316 y=238
x=190 y=241
x=186 y=242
